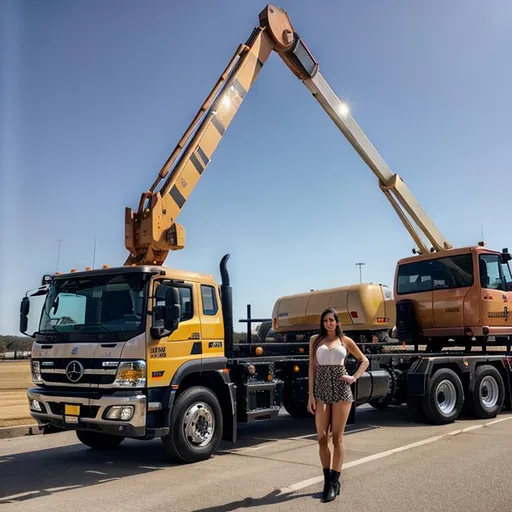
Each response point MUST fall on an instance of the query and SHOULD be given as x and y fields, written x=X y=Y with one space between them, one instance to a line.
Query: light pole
x=360 y=265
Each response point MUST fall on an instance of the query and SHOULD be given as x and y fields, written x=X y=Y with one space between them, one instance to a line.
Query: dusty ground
x=14 y=380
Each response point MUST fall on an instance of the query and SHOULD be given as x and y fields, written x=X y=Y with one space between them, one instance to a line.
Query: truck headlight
x=36 y=372
x=120 y=412
x=131 y=374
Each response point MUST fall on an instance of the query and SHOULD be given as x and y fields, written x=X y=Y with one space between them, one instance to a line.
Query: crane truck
x=146 y=351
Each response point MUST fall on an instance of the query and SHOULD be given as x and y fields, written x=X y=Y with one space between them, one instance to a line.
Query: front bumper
x=92 y=408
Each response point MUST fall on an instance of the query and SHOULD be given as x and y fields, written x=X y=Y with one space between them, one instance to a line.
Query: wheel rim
x=446 y=396
x=199 y=424
x=489 y=392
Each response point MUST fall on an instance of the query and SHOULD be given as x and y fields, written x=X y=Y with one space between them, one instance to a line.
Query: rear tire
x=196 y=426
x=445 y=397
x=488 y=396
x=98 y=440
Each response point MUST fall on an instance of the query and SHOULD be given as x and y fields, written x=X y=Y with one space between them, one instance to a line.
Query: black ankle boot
x=335 y=477
x=327 y=483
x=333 y=488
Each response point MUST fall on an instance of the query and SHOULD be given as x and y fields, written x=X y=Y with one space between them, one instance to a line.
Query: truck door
x=167 y=354
x=452 y=278
x=495 y=280
x=212 y=327
x=415 y=283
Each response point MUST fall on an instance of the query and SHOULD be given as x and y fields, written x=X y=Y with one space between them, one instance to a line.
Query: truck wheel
x=196 y=426
x=99 y=441
x=488 y=395
x=445 y=397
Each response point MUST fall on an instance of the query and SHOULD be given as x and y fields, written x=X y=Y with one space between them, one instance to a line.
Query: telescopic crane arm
x=152 y=231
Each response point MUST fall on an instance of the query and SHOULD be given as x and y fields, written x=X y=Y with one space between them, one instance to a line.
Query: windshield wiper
x=83 y=327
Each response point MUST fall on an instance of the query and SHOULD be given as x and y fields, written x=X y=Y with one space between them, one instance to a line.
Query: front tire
x=196 y=426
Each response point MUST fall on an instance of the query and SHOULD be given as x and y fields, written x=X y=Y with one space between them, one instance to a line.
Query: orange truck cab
x=456 y=295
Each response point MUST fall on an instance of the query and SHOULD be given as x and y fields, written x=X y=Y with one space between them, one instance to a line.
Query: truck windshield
x=438 y=274
x=110 y=304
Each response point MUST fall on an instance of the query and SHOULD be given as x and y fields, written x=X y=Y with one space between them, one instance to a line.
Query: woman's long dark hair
x=323 y=330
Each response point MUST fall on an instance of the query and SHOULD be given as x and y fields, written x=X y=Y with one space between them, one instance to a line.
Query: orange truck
x=146 y=351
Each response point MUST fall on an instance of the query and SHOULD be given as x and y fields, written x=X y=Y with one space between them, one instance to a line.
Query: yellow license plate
x=72 y=410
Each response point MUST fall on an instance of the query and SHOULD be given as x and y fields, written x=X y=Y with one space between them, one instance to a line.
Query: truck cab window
x=186 y=303
x=414 y=277
x=209 y=299
x=452 y=272
x=491 y=277
x=508 y=276
x=187 y=310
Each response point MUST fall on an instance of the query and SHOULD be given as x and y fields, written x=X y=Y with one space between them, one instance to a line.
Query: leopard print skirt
x=329 y=387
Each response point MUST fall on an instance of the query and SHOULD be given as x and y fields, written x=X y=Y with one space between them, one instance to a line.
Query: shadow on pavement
x=38 y=473
x=272 y=498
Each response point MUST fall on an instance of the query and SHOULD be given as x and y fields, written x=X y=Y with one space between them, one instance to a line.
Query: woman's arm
x=356 y=352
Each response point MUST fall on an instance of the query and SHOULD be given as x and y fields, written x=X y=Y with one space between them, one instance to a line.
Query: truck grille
x=78 y=371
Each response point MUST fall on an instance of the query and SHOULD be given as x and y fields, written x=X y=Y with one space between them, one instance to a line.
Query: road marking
x=274 y=442
x=63 y=488
x=315 y=480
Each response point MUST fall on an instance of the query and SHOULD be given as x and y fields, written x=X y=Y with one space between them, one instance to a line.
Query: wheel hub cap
x=489 y=392
x=199 y=424
x=446 y=396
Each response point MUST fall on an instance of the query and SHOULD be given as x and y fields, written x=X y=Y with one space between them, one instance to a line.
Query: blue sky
x=95 y=96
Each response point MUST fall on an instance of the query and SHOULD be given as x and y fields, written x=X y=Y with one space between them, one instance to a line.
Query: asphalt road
x=390 y=464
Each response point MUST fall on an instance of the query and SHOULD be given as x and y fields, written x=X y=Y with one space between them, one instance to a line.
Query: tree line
x=15 y=343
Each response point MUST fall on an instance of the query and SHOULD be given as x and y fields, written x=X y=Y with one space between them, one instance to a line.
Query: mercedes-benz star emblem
x=74 y=371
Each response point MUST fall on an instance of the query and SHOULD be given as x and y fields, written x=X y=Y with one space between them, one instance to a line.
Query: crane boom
x=391 y=184
x=152 y=231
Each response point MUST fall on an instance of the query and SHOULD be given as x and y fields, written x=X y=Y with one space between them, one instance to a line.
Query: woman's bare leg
x=339 y=416
x=322 y=421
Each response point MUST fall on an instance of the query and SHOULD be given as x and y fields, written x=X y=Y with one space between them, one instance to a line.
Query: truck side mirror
x=172 y=313
x=30 y=310
x=24 y=310
x=505 y=256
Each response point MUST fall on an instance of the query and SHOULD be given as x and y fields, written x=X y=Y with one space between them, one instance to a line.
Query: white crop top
x=333 y=356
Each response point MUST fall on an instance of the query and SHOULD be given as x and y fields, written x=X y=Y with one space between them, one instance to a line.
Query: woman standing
x=330 y=395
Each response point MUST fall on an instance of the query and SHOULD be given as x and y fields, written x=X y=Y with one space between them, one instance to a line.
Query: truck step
x=263 y=414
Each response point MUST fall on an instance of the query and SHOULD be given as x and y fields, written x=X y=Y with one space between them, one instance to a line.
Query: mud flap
x=230 y=413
